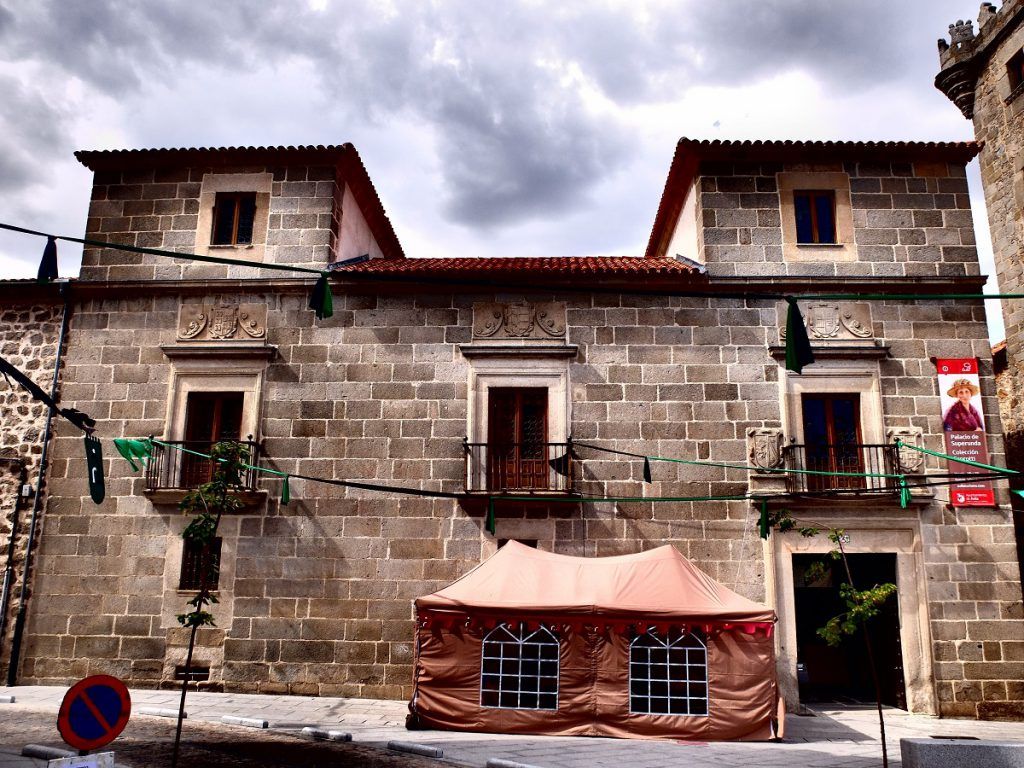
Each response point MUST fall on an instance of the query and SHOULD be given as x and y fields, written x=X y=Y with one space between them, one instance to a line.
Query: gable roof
x=658 y=583
x=691 y=152
x=343 y=157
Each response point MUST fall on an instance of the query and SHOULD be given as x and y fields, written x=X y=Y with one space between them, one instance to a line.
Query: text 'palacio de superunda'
x=582 y=406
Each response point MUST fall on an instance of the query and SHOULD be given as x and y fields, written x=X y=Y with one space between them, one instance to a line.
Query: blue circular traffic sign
x=94 y=712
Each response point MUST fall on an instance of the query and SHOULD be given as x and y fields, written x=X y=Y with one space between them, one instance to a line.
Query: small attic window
x=1015 y=70
x=815 y=211
x=234 y=214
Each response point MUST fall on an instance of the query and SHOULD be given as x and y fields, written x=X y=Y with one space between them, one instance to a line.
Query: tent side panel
x=448 y=687
x=741 y=686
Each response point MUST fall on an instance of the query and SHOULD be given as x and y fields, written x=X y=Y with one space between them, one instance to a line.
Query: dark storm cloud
x=508 y=91
x=31 y=132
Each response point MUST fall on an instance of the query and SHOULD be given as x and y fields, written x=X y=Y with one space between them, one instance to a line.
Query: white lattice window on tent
x=519 y=668
x=668 y=675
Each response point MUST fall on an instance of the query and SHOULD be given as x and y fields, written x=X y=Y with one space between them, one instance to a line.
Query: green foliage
x=863 y=605
x=207 y=503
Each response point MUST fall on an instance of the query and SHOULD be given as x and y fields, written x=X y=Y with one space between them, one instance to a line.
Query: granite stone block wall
x=316 y=596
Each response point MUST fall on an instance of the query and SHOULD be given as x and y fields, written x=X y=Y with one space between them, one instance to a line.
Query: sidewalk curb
x=497 y=762
x=248 y=722
x=322 y=734
x=422 y=750
x=158 y=712
x=42 y=752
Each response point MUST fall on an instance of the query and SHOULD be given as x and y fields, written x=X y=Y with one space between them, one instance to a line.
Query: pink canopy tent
x=642 y=645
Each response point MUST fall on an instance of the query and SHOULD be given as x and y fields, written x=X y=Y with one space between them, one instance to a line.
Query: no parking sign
x=94 y=712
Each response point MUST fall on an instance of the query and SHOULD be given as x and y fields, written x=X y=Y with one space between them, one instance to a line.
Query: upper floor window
x=832 y=441
x=668 y=674
x=519 y=668
x=815 y=212
x=517 y=439
x=1015 y=70
x=234 y=214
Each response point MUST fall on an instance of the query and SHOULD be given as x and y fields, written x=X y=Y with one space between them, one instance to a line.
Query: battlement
x=965 y=54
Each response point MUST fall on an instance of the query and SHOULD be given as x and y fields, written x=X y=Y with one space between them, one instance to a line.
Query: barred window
x=195 y=564
x=668 y=675
x=519 y=668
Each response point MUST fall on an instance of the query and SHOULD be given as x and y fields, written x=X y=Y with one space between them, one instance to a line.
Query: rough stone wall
x=160 y=209
x=28 y=340
x=909 y=220
x=1000 y=125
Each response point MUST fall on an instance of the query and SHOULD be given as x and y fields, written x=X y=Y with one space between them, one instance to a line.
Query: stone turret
x=963 y=59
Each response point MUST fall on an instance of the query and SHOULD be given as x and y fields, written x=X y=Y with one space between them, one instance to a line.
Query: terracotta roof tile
x=556 y=265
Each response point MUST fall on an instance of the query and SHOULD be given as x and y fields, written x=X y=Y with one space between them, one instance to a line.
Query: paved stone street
x=842 y=737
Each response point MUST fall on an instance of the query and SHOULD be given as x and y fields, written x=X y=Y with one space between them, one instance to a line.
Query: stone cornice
x=24 y=292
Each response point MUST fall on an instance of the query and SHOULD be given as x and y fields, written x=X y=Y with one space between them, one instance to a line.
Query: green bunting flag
x=904 y=493
x=321 y=301
x=286 y=494
x=48 y=265
x=798 y=346
x=1019 y=493
x=131 y=450
x=762 y=525
x=490 y=524
x=647 y=470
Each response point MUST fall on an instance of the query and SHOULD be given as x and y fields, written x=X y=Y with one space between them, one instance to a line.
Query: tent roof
x=657 y=583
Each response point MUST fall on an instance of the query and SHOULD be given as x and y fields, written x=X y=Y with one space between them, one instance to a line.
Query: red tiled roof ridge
x=84 y=155
x=827 y=143
x=523 y=264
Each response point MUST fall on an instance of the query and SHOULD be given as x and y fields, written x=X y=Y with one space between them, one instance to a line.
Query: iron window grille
x=197 y=563
x=668 y=675
x=519 y=668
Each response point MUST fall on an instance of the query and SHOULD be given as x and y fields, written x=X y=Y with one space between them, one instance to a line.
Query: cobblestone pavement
x=834 y=737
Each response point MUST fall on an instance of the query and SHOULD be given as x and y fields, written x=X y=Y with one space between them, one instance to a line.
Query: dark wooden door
x=209 y=418
x=517 y=435
x=832 y=439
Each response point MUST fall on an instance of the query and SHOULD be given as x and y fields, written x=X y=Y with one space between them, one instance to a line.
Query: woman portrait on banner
x=961 y=416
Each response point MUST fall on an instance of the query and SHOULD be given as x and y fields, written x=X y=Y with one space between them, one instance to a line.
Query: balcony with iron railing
x=172 y=470
x=519 y=468
x=868 y=469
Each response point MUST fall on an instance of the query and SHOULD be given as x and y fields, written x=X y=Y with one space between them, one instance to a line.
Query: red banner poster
x=963 y=425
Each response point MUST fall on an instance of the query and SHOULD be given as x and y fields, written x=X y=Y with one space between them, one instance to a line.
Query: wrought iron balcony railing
x=853 y=459
x=173 y=469
x=519 y=467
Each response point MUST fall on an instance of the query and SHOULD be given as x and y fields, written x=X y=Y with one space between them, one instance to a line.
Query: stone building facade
x=30 y=322
x=426 y=362
x=982 y=73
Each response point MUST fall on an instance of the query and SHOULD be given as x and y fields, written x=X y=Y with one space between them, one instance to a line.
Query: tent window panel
x=668 y=675
x=519 y=668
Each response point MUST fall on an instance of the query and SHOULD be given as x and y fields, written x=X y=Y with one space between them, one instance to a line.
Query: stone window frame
x=259 y=184
x=834 y=377
x=1018 y=181
x=837 y=182
x=869 y=533
x=208 y=372
x=517 y=370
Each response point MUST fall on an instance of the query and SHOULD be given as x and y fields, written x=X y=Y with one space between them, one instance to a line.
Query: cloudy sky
x=489 y=128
